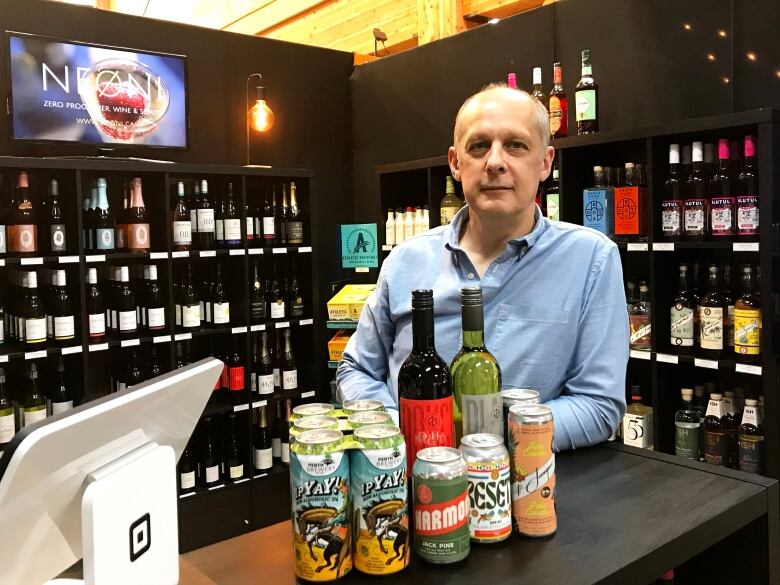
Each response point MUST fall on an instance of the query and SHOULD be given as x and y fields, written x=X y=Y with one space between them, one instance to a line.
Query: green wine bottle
x=476 y=376
x=7 y=416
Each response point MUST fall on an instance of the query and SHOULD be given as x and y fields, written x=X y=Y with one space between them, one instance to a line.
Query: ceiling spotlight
x=710 y=56
x=725 y=79
x=777 y=73
x=687 y=26
x=722 y=34
x=751 y=56
x=494 y=21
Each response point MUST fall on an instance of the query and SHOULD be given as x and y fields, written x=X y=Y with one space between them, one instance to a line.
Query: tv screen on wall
x=76 y=92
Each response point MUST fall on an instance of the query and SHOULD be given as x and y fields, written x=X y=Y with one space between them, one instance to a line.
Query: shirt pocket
x=529 y=345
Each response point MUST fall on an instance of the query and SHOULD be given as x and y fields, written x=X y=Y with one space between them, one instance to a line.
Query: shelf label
x=217 y=487
x=306 y=322
x=98 y=347
x=362 y=269
x=237 y=253
x=130 y=342
x=666 y=358
x=208 y=253
x=3 y=358
x=162 y=339
x=69 y=259
x=259 y=475
x=183 y=336
x=239 y=330
x=387 y=248
x=259 y=403
x=2 y=261
x=96 y=258
x=255 y=251
x=181 y=254
x=748 y=369
x=282 y=325
x=242 y=480
x=304 y=249
x=711 y=364
x=240 y=407
x=257 y=328
x=279 y=251
x=309 y=394
x=189 y=495
x=640 y=355
x=31 y=261
x=637 y=247
x=744 y=247
x=158 y=255
x=663 y=246
x=72 y=349
x=34 y=355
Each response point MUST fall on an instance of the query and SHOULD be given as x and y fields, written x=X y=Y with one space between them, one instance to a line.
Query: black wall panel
x=756 y=25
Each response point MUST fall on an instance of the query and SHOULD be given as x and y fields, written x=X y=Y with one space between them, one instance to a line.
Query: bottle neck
x=683 y=286
x=473 y=326
x=747 y=283
x=557 y=76
x=713 y=282
x=422 y=329
x=643 y=295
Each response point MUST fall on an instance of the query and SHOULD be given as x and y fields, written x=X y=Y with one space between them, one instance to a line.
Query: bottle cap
x=537 y=76
x=748 y=401
x=54 y=188
x=674 y=154
x=422 y=299
x=687 y=393
x=511 y=80
x=124 y=274
x=686 y=154
x=750 y=146
x=708 y=152
x=723 y=149
x=716 y=396
x=698 y=152
x=471 y=295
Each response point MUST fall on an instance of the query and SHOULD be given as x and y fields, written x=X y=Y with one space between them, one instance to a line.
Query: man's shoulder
x=417 y=249
x=566 y=235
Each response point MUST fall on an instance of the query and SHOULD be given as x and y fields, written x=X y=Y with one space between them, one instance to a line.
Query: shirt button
x=471 y=276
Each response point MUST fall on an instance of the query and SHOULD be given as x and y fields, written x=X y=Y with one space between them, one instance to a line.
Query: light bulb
x=260 y=117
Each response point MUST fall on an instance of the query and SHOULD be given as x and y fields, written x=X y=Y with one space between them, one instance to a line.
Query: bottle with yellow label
x=747 y=319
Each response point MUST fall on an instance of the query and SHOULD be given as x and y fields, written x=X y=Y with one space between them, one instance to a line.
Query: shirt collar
x=540 y=226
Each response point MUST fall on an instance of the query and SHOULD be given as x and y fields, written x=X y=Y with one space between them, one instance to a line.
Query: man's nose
x=495 y=160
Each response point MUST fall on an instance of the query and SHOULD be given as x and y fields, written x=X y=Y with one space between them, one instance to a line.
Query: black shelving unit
x=207 y=515
x=660 y=372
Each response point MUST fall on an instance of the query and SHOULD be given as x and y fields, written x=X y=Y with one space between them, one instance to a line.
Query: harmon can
x=512 y=396
x=533 y=469
x=490 y=494
x=441 y=505
x=311 y=409
x=381 y=522
x=319 y=486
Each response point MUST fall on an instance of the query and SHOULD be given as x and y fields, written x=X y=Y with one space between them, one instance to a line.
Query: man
x=555 y=309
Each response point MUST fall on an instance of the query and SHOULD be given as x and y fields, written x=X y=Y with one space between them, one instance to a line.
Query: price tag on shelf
x=259 y=403
x=189 y=495
x=238 y=253
x=386 y=248
x=711 y=364
x=279 y=251
x=34 y=355
x=282 y=324
x=3 y=358
x=183 y=336
x=666 y=358
x=181 y=254
x=304 y=249
x=2 y=261
x=255 y=251
x=744 y=247
x=257 y=328
x=68 y=259
x=259 y=475
x=663 y=246
x=98 y=347
x=240 y=407
x=748 y=369
x=238 y=330
x=637 y=247
x=362 y=269
x=217 y=487
x=96 y=258
x=309 y=394
x=72 y=349
x=158 y=255
x=208 y=253
x=306 y=322
x=162 y=339
x=640 y=355
x=31 y=261
x=130 y=342
x=242 y=480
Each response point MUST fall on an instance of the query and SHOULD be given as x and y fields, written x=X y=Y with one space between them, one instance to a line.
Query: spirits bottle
x=640 y=322
x=55 y=220
x=511 y=80
x=261 y=442
x=552 y=200
x=728 y=302
x=586 y=98
x=61 y=396
x=450 y=203
x=683 y=319
x=390 y=228
x=234 y=465
x=409 y=223
x=597 y=204
x=181 y=222
x=559 y=110
x=747 y=198
x=62 y=311
x=751 y=438
x=475 y=374
x=716 y=432
x=205 y=215
x=731 y=419
x=638 y=422
x=712 y=317
x=424 y=386
x=537 y=90
x=33 y=401
x=722 y=200
x=295 y=218
x=419 y=226
x=232 y=220
x=748 y=319
x=696 y=204
x=687 y=426
x=672 y=205
x=22 y=223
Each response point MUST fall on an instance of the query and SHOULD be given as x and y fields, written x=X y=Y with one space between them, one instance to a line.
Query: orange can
x=533 y=469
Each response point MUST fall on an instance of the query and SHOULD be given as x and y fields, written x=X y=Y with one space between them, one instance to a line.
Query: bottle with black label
x=261 y=442
x=294 y=219
x=34 y=321
x=234 y=465
x=210 y=452
x=289 y=367
x=153 y=367
x=56 y=231
x=278 y=309
x=257 y=297
x=33 y=401
x=62 y=311
x=716 y=432
x=232 y=220
x=183 y=354
x=187 y=468
x=7 y=415
x=294 y=297
x=134 y=373
x=61 y=397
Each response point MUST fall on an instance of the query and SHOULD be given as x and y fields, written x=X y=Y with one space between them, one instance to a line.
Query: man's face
x=498 y=156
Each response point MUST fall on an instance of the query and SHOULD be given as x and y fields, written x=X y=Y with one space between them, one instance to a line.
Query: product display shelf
x=341 y=324
x=660 y=373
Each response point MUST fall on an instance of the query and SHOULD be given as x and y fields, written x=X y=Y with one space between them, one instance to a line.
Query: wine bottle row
x=131 y=366
x=404 y=224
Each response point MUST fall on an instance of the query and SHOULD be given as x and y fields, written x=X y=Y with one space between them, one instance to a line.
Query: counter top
x=624 y=516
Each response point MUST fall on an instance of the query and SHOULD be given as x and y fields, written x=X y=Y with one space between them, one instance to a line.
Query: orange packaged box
x=337 y=344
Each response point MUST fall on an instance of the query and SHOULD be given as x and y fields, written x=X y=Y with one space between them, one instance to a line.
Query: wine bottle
x=696 y=203
x=219 y=221
x=284 y=445
x=154 y=309
x=277 y=300
x=56 y=222
x=295 y=218
x=586 y=96
x=183 y=354
x=96 y=317
x=232 y=220
x=559 y=111
x=235 y=372
x=33 y=401
x=269 y=218
x=294 y=298
x=103 y=220
x=276 y=358
x=210 y=457
x=181 y=221
x=257 y=297
x=190 y=304
x=125 y=305
x=264 y=371
x=220 y=305
x=62 y=311
x=475 y=373
x=261 y=442
x=3 y=225
x=249 y=226
x=722 y=199
x=450 y=203
x=283 y=217
x=276 y=433
x=138 y=235
x=672 y=205
x=193 y=207
x=134 y=373
x=234 y=466
x=747 y=198
x=424 y=386
x=537 y=90
x=23 y=225
x=7 y=416
x=61 y=396
x=153 y=366
x=34 y=328
x=289 y=367
x=205 y=213
x=187 y=467
x=712 y=317
x=122 y=220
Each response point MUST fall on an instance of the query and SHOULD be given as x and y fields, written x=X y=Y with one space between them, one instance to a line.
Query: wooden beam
x=437 y=19
x=267 y=14
x=498 y=8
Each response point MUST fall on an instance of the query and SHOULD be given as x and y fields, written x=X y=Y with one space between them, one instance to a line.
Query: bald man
x=555 y=309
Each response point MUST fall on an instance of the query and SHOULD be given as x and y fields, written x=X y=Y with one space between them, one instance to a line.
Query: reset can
x=512 y=396
x=319 y=485
x=533 y=469
x=311 y=409
x=490 y=494
x=441 y=505
x=380 y=522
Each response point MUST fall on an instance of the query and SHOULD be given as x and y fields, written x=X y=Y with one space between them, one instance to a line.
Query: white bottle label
x=206 y=220
x=749 y=417
x=202 y=310
x=220 y=229
x=97 y=324
x=190 y=316
x=155 y=318
x=35 y=330
x=33 y=416
x=715 y=408
x=221 y=312
x=212 y=474
x=285 y=452
x=207 y=316
x=8 y=428
x=483 y=413
x=277 y=378
x=711 y=326
x=277 y=310
x=187 y=480
x=236 y=471
x=268 y=227
x=276 y=446
x=290 y=380
x=233 y=230
x=128 y=321
x=264 y=458
x=182 y=233
x=250 y=225
x=265 y=384
x=49 y=326
x=638 y=430
x=64 y=327
x=58 y=407
x=177 y=309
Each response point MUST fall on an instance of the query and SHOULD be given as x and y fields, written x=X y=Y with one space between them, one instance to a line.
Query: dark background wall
x=650 y=69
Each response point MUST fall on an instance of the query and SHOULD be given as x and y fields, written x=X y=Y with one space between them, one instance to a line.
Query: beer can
x=319 y=486
x=310 y=423
x=379 y=500
x=441 y=505
x=533 y=469
x=361 y=405
x=369 y=417
x=490 y=493
x=512 y=396
x=311 y=409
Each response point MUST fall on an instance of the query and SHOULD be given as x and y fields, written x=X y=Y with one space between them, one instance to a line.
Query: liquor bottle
x=154 y=309
x=294 y=299
x=728 y=302
x=277 y=297
x=716 y=432
x=747 y=197
x=409 y=223
x=687 y=425
x=22 y=222
x=235 y=372
x=511 y=80
x=257 y=297
x=276 y=432
x=672 y=205
x=284 y=446
x=424 y=386
x=264 y=369
x=96 y=317
x=722 y=200
x=231 y=217
x=552 y=197
x=696 y=203
x=289 y=369
x=7 y=415
x=712 y=317
x=294 y=218
x=390 y=228
x=261 y=442
x=189 y=303
x=234 y=466
x=450 y=203
x=638 y=422
x=639 y=320
x=205 y=214
x=586 y=95
x=125 y=305
x=283 y=217
x=33 y=329
x=55 y=221
x=683 y=315
x=134 y=373
x=751 y=438
x=62 y=311
x=33 y=401
x=186 y=469
x=399 y=226
x=559 y=109
x=181 y=221
x=61 y=397
x=537 y=90
x=426 y=218
x=153 y=367
x=597 y=202
x=748 y=319
x=474 y=373
x=632 y=294
x=210 y=455
x=220 y=305
x=731 y=419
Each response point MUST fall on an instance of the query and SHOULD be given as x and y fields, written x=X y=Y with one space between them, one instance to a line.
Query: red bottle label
x=627 y=211
x=236 y=378
x=23 y=238
x=722 y=216
x=747 y=215
x=426 y=423
x=223 y=379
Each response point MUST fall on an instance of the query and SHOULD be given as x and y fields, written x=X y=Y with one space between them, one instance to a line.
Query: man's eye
x=478 y=146
x=515 y=145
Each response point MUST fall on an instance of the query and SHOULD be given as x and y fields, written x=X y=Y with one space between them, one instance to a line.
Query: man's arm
x=593 y=400
x=364 y=364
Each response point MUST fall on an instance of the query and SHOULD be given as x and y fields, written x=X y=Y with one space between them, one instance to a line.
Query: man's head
x=501 y=150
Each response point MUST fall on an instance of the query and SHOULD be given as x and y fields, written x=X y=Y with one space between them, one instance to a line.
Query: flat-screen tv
x=76 y=92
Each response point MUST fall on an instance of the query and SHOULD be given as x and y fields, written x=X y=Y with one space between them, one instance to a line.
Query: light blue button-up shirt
x=555 y=319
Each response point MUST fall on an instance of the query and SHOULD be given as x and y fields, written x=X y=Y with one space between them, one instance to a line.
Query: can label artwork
x=441 y=519
x=533 y=476
x=321 y=527
x=380 y=521
x=490 y=500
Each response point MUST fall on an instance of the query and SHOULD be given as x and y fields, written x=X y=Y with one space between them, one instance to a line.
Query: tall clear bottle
x=641 y=334
x=586 y=97
x=450 y=203
x=687 y=428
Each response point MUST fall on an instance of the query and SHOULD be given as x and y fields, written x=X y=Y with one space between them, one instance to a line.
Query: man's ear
x=452 y=159
x=547 y=163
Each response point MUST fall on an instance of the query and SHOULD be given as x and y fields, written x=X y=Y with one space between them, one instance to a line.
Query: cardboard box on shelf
x=347 y=304
x=337 y=344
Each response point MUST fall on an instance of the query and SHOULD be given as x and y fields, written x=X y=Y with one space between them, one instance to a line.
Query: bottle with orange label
x=22 y=221
x=138 y=236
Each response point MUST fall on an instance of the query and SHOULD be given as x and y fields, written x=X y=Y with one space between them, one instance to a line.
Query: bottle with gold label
x=747 y=319
x=450 y=203
x=712 y=317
